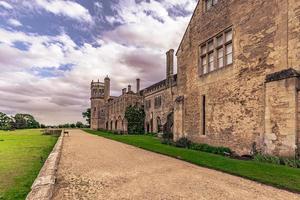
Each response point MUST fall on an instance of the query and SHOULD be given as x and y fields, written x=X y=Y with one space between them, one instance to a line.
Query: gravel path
x=95 y=168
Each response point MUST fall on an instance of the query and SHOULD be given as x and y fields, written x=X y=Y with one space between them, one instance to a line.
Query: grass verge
x=22 y=154
x=275 y=175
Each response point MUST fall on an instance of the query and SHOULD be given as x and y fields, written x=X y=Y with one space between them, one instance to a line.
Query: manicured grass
x=22 y=154
x=275 y=175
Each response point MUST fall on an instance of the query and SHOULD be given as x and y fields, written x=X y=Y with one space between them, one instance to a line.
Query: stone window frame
x=209 y=54
x=209 y=4
x=157 y=102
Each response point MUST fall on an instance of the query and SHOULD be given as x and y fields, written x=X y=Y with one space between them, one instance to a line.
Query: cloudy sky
x=50 y=50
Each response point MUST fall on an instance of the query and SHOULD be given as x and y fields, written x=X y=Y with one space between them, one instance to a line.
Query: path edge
x=43 y=186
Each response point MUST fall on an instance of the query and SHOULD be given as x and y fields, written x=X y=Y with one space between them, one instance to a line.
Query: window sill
x=215 y=71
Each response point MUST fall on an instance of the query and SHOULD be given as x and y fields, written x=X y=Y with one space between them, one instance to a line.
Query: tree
x=73 y=126
x=5 y=122
x=135 y=117
x=87 y=116
x=79 y=125
x=23 y=121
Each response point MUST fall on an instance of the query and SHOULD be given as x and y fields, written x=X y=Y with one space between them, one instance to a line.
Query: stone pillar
x=281 y=93
x=129 y=88
x=123 y=91
x=178 y=118
x=138 y=85
x=106 y=89
x=170 y=62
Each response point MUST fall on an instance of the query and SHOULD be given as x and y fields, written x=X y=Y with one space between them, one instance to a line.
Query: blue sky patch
x=23 y=46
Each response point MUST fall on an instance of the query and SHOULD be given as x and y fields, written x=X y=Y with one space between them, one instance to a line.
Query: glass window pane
x=211 y=62
x=204 y=69
x=220 y=62
x=228 y=48
x=203 y=50
x=229 y=54
x=204 y=65
x=229 y=59
x=228 y=36
x=220 y=40
x=220 y=58
x=220 y=53
x=203 y=61
x=210 y=45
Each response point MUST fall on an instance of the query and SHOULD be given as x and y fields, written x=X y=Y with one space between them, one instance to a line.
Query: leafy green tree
x=87 y=116
x=79 y=125
x=73 y=126
x=6 y=122
x=23 y=121
x=135 y=117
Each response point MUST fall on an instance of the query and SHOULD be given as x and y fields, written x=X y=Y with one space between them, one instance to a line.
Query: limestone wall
x=281 y=117
x=97 y=114
x=115 y=111
x=235 y=95
x=293 y=36
x=154 y=114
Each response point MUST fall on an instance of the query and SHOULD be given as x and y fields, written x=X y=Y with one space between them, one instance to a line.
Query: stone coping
x=43 y=186
x=284 y=74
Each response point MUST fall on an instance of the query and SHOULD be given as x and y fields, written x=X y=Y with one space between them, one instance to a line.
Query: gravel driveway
x=93 y=168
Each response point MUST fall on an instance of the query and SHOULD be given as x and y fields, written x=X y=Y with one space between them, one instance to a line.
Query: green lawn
x=22 y=154
x=275 y=175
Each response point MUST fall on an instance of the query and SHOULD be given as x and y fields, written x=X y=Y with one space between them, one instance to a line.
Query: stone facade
x=109 y=113
x=238 y=79
x=242 y=111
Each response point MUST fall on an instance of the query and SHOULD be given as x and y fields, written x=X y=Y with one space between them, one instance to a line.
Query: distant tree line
x=76 y=125
x=27 y=121
x=19 y=121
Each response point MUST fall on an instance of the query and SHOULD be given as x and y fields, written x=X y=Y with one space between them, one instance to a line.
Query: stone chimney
x=170 y=62
x=124 y=91
x=129 y=88
x=138 y=85
x=106 y=88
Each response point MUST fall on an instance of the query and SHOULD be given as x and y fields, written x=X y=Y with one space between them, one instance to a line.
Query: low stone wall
x=52 y=131
x=43 y=186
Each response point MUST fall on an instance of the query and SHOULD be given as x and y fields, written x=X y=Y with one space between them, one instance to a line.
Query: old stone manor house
x=237 y=82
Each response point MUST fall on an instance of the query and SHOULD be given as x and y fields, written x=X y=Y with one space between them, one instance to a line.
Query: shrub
x=183 y=143
x=290 y=162
x=186 y=143
x=267 y=159
x=211 y=149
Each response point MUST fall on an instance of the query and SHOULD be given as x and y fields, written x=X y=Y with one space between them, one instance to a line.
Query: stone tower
x=170 y=67
x=98 y=97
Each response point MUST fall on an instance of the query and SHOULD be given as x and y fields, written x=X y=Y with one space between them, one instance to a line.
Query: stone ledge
x=284 y=74
x=43 y=186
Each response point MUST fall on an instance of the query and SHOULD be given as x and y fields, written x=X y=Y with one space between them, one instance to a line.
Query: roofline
x=187 y=27
x=156 y=83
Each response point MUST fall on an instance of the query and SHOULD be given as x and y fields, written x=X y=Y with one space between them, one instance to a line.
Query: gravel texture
x=93 y=168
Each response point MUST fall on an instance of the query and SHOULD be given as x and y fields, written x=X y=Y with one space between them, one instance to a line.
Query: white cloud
x=14 y=22
x=135 y=49
x=66 y=8
x=6 y=5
